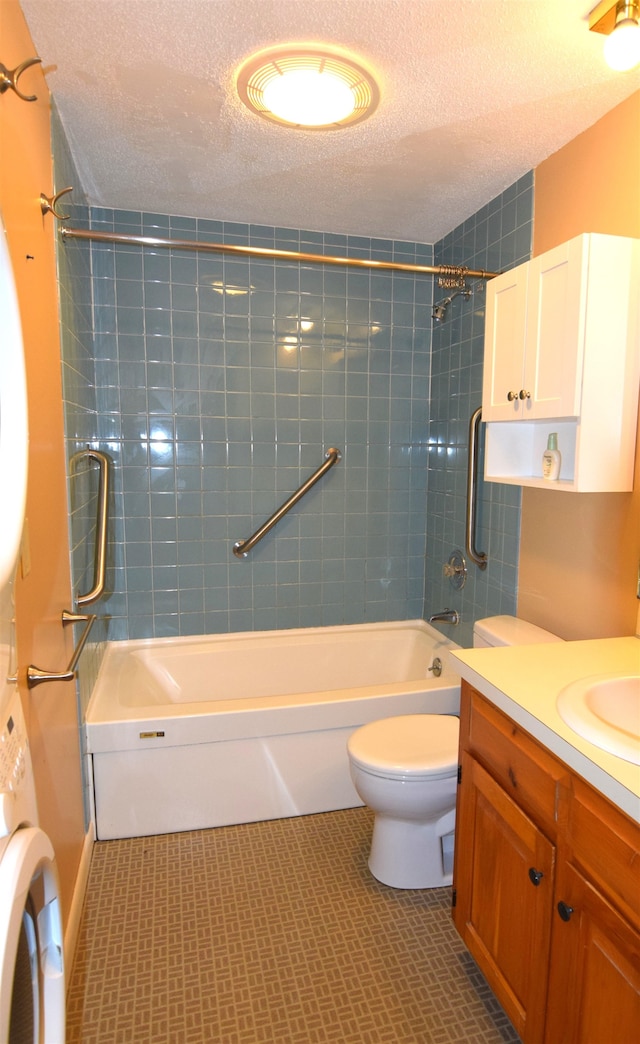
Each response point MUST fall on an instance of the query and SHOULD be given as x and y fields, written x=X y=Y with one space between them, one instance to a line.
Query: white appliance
x=32 y=989
x=32 y=992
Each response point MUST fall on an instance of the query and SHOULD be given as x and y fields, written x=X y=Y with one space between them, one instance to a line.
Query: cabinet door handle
x=535 y=876
x=511 y=395
x=524 y=394
x=564 y=910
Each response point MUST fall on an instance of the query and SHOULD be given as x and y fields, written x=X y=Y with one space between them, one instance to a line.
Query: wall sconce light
x=620 y=23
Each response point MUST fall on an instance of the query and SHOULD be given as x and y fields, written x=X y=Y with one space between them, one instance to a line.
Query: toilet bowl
x=405 y=769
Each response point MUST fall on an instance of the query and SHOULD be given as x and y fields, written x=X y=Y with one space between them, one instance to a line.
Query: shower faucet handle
x=456 y=570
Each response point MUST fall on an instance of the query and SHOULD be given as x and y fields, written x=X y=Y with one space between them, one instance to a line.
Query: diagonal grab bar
x=241 y=548
x=100 y=560
x=479 y=557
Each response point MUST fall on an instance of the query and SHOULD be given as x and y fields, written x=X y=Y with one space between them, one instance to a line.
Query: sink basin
x=605 y=709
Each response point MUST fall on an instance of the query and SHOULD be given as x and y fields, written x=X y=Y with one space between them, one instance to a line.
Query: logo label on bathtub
x=151 y=735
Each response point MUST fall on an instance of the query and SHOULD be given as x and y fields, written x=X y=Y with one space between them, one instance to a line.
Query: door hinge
x=454 y=897
x=459 y=773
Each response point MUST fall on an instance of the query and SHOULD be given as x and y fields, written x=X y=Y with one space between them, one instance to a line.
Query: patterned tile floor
x=270 y=933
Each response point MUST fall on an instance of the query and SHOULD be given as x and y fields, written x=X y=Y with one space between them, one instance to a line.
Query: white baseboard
x=77 y=902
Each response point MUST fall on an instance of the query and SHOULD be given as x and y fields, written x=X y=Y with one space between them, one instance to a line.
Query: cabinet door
x=556 y=311
x=504 y=888
x=594 y=985
x=505 y=328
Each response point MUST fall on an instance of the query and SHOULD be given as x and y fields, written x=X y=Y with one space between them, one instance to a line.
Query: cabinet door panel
x=503 y=917
x=605 y=844
x=504 y=344
x=556 y=309
x=595 y=970
x=524 y=770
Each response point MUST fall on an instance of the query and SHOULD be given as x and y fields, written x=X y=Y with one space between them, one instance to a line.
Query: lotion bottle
x=551 y=458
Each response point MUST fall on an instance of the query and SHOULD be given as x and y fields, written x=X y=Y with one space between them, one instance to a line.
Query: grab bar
x=479 y=557
x=241 y=548
x=100 y=558
x=35 y=675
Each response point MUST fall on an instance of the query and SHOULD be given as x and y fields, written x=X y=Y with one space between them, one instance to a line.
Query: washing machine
x=32 y=986
x=32 y=989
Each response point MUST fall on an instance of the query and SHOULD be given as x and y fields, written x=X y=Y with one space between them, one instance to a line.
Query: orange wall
x=41 y=596
x=579 y=553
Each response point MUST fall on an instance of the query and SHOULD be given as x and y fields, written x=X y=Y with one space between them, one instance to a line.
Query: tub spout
x=451 y=616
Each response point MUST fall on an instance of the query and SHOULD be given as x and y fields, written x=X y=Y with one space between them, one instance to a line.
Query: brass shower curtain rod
x=448 y=275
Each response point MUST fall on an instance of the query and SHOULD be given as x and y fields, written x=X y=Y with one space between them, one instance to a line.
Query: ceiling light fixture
x=620 y=23
x=307 y=86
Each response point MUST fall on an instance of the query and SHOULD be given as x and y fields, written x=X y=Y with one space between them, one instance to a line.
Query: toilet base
x=406 y=854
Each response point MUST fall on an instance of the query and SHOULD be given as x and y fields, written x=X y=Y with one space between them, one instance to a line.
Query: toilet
x=405 y=769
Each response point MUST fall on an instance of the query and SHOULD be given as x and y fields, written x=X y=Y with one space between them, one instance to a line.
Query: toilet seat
x=413 y=747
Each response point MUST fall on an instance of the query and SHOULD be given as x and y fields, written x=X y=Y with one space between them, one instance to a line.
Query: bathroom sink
x=605 y=709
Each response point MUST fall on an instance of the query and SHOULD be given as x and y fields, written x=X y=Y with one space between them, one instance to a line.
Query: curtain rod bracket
x=48 y=203
x=9 y=78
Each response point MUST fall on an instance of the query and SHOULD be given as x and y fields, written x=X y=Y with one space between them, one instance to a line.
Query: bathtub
x=190 y=733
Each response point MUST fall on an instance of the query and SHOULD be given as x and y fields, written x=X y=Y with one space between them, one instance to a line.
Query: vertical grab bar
x=100 y=557
x=36 y=675
x=479 y=557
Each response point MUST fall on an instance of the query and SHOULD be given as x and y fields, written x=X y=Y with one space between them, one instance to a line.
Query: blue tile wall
x=217 y=382
x=495 y=238
x=220 y=383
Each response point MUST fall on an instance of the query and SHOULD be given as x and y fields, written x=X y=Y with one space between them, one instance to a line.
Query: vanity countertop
x=524 y=681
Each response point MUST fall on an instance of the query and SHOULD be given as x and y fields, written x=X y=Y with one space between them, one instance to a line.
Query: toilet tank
x=508 y=630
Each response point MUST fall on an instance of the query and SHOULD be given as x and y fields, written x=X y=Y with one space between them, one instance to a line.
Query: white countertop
x=524 y=681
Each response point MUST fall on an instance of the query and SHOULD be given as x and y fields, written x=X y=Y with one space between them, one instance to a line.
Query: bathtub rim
x=115 y=645
x=110 y=725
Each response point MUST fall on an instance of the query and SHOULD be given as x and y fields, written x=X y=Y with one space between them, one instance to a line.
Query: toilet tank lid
x=509 y=630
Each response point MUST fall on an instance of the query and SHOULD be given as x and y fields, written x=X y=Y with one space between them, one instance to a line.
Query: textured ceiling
x=474 y=94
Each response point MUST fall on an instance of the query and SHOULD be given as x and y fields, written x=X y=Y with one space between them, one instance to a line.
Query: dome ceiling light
x=620 y=23
x=308 y=87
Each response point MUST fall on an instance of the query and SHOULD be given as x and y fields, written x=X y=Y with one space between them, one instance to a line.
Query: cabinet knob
x=535 y=876
x=524 y=394
x=511 y=395
x=564 y=910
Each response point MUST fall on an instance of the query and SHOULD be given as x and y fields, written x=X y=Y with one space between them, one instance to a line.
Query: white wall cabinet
x=562 y=353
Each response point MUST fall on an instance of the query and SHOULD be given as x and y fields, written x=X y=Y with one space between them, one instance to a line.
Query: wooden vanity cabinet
x=595 y=954
x=594 y=978
x=546 y=887
x=503 y=918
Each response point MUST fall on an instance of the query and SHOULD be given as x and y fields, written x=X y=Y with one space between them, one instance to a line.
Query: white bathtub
x=189 y=733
